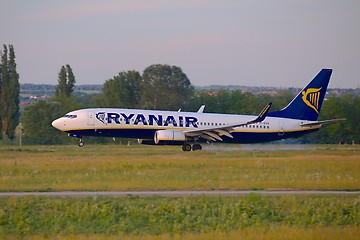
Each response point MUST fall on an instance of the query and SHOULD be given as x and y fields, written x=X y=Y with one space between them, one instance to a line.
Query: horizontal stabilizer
x=319 y=123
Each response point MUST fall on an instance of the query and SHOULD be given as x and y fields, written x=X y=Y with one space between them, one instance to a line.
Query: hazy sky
x=281 y=43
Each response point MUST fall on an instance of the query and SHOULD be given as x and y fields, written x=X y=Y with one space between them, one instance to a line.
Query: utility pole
x=20 y=133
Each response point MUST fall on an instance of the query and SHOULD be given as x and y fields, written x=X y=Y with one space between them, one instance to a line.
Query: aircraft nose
x=59 y=124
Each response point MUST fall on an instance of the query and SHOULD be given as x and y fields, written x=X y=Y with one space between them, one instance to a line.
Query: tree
x=65 y=88
x=37 y=123
x=38 y=117
x=165 y=87
x=1 y=102
x=9 y=95
x=66 y=82
x=122 y=90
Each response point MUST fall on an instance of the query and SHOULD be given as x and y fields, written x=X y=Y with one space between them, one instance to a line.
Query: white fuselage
x=136 y=123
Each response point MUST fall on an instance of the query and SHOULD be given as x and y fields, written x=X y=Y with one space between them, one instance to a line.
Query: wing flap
x=207 y=137
x=213 y=135
x=222 y=132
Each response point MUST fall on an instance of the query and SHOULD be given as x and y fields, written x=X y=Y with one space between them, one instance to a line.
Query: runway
x=176 y=193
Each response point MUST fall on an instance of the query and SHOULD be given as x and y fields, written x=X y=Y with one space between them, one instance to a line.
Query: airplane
x=189 y=129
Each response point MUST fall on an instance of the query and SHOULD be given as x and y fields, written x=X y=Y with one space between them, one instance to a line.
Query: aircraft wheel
x=196 y=147
x=81 y=143
x=186 y=147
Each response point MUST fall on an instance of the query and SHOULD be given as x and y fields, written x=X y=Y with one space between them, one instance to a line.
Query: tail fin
x=307 y=104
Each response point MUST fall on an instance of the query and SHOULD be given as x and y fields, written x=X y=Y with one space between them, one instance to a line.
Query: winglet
x=201 y=109
x=262 y=115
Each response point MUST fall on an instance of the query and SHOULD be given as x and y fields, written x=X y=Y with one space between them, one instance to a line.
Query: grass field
x=113 y=167
x=197 y=216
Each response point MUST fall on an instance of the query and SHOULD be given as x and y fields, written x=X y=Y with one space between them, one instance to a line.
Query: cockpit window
x=70 y=116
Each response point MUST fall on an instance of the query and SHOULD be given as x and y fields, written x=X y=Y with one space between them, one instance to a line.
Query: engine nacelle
x=169 y=137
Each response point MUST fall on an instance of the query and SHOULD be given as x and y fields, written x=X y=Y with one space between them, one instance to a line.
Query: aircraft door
x=91 y=118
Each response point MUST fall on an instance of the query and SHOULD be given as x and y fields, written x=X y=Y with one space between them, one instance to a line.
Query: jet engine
x=169 y=137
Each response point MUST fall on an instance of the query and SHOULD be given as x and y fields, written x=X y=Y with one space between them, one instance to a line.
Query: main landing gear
x=187 y=147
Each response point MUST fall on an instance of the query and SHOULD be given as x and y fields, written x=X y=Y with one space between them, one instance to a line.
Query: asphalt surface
x=176 y=193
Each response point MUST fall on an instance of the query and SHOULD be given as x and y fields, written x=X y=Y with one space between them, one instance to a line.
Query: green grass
x=156 y=216
x=114 y=167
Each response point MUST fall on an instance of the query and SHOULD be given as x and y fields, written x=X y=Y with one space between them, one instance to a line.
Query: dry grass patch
x=273 y=233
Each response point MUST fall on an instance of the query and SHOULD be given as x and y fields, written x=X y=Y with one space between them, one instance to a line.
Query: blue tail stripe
x=307 y=104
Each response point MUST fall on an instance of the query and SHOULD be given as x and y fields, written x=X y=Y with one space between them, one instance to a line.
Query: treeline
x=160 y=86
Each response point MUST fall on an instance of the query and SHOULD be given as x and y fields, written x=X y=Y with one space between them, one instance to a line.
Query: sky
x=279 y=43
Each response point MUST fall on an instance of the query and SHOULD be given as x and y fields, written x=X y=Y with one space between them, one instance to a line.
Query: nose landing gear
x=81 y=143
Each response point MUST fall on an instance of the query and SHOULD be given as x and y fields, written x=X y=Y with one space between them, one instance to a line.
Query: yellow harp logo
x=311 y=98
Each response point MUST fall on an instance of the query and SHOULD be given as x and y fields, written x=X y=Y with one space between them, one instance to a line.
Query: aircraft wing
x=215 y=133
x=320 y=123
